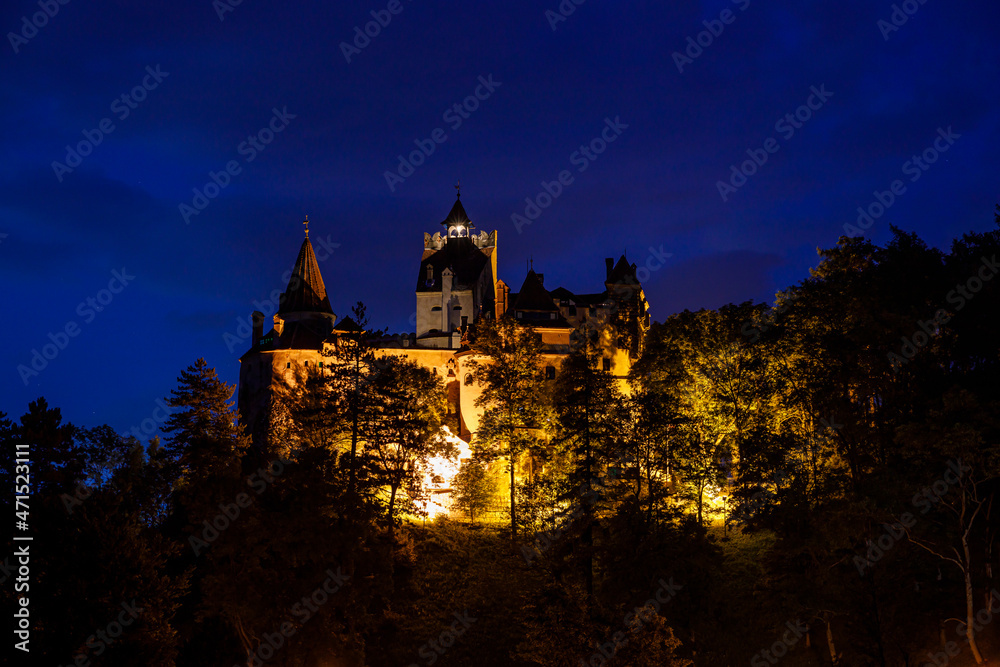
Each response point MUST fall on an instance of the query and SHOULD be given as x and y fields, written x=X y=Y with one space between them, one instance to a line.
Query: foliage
x=474 y=487
x=508 y=370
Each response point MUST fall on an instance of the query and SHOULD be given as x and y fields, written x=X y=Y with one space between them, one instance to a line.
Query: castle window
x=307 y=364
x=321 y=364
x=468 y=379
x=435 y=309
x=607 y=364
x=288 y=364
x=550 y=372
x=456 y=308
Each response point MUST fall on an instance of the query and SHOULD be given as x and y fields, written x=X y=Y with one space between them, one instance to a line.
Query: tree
x=203 y=437
x=475 y=486
x=961 y=441
x=400 y=426
x=508 y=370
x=713 y=393
x=95 y=518
x=591 y=418
x=204 y=448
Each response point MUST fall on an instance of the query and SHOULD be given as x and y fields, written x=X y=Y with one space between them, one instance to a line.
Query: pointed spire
x=306 y=291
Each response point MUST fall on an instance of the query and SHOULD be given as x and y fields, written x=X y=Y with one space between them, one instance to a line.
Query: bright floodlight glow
x=439 y=474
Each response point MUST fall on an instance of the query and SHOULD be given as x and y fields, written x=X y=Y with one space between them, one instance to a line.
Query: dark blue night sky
x=208 y=84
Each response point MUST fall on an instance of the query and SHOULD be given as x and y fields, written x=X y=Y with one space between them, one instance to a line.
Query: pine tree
x=348 y=373
x=203 y=436
x=592 y=419
x=203 y=449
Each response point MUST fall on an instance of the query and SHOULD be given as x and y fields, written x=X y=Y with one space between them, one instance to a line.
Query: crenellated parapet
x=481 y=240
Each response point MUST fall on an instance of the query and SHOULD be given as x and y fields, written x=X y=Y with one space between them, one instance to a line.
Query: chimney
x=609 y=265
x=258 y=328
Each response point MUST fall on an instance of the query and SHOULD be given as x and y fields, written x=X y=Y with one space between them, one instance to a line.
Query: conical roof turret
x=306 y=291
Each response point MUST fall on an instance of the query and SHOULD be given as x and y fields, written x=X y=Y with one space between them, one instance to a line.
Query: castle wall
x=260 y=372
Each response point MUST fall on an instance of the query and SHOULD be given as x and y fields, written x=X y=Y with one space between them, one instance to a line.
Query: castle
x=457 y=285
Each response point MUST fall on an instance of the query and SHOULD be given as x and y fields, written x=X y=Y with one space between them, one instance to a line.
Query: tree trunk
x=829 y=642
x=970 y=610
x=513 y=520
x=990 y=536
x=392 y=502
x=701 y=496
x=649 y=489
x=354 y=432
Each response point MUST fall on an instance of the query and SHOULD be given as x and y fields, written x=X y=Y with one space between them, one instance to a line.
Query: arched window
x=435 y=309
x=468 y=379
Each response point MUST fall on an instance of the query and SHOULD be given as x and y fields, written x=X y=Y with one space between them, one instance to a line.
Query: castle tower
x=303 y=324
x=456 y=283
x=630 y=313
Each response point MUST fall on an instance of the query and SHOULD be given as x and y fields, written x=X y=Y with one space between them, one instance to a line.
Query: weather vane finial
x=458 y=188
x=306 y=223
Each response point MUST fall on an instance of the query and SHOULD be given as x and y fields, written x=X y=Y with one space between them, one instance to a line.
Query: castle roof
x=464 y=259
x=457 y=216
x=533 y=295
x=534 y=305
x=306 y=291
x=564 y=294
x=348 y=325
x=623 y=273
x=295 y=335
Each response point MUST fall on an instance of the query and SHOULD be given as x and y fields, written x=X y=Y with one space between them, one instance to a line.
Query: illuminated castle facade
x=457 y=285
